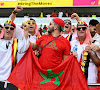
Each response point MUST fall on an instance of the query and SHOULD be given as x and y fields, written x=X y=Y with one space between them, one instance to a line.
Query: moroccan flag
x=28 y=75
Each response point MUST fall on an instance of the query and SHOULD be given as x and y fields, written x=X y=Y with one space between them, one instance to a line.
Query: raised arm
x=17 y=9
x=75 y=16
x=33 y=45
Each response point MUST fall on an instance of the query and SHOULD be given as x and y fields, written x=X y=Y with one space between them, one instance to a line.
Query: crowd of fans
x=60 y=14
x=83 y=41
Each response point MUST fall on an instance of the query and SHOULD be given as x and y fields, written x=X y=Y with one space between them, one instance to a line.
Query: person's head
x=60 y=10
x=31 y=26
x=98 y=28
x=83 y=33
x=92 y=26
x=56 y=24
x=41 y=25
x=81 y=29
x=54 y=10
x=9 y=28
x=44 y=25
x=67 y=26
x=41 y=10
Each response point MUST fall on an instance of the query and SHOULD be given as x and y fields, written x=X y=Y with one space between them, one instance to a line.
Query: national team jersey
x=52 y=54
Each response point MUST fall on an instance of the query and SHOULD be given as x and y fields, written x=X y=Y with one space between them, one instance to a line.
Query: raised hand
x=88 y=48
x=75 y=16
x=94 y=47
x=26 y=26
x=18 y=8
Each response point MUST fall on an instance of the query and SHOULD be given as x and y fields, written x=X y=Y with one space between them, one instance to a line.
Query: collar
x=31 y=35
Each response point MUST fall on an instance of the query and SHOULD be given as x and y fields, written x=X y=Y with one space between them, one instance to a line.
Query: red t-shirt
x=53 y=53
x=54 y=14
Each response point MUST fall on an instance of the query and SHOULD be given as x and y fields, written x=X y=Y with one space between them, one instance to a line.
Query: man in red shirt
x=57 y=50
x=54 y=14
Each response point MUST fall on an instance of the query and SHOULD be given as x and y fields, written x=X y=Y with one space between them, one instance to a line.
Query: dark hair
x=93 y=22
x=32 y=19
x=59 y=27
x=54 y=10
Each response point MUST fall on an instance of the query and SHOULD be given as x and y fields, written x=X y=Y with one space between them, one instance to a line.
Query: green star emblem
x=51 y=74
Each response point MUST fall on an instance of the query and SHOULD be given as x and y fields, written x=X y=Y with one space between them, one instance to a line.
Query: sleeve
x=67 y=48
x=19 y=33
x=97 y=53
x=40 y=39
x=23 y=45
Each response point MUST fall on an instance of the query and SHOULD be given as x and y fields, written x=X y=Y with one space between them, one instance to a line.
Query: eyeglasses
x=73 y=29
x=66 y=27
x=31 y=23
x=11 y=28
x=83 y=28
x=67 y=22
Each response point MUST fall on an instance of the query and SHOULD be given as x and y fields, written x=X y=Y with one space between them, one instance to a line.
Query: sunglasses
x=83 y=28
x=67 y=22
x=31 y=23
x=11 y=28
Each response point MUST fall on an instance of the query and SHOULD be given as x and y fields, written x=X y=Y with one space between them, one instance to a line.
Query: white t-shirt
x=6 y=54
x=31 y=39
x=60 y=14
x=96 y=37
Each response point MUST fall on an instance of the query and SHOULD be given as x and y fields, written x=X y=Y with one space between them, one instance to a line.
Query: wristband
x=14 y=12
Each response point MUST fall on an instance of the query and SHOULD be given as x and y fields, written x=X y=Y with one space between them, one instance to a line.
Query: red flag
x=94 y=88
x=28 y=75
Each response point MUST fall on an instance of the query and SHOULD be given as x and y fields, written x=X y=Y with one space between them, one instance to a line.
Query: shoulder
x=97 y=42
x=64 y=40
x=43 y=36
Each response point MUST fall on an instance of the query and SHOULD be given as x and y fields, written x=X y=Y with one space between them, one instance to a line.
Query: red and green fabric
x=28 y=75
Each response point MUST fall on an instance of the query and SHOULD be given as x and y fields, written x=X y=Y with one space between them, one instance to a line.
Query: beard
x=93 y=33
x=50 y=30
